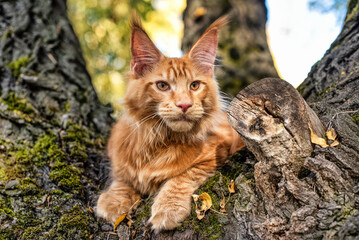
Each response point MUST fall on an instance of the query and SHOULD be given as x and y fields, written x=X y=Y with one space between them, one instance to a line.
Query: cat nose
x=184 y=106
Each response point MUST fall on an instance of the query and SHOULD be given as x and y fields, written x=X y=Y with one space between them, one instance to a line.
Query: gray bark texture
x=52 y=126
x=243 y=52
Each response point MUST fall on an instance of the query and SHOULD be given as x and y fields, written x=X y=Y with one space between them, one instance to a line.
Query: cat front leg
x=117 y=200
x=173 y=202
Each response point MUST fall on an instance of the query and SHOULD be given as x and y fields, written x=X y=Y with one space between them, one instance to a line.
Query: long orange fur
x=159 y=148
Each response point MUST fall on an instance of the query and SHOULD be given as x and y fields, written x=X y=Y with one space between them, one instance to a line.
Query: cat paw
x=110 y=207
x=168 y=217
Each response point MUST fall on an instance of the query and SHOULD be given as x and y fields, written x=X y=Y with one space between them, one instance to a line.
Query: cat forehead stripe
x=178 y=68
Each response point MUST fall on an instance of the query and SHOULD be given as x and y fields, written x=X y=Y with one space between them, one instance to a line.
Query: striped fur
x=156 y=148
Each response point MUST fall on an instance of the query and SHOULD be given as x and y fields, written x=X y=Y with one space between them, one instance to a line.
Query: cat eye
x=163 y=86
x=194 y=85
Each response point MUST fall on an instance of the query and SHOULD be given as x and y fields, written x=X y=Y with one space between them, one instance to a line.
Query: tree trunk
x=242 y=46
x=52 y=127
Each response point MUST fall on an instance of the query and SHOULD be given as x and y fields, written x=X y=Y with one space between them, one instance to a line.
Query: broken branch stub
x=274 y=121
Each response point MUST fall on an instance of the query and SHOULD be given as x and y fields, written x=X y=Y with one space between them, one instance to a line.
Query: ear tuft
x=203 y=52
x=144 y=53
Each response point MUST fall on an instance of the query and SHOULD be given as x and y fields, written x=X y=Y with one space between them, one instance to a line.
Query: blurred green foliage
x=102 y=27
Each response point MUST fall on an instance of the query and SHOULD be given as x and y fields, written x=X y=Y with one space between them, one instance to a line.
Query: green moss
x=32 y=232
x=353 y=7
x=207 y=228
x=346 y=211
x=77 y=138
x=6 y=211
x=16 y=66
x=47 y=149
x=29 y=186
x=323 y=93
x=16 y=103
x=66 y=176
x=68 y=106
x=22 y=159
x=356 y=118
x=73 y=224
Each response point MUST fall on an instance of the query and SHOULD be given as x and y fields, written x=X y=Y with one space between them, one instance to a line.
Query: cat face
x=178 y=92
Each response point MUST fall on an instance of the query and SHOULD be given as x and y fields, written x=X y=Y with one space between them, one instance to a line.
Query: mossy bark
x=52 y=156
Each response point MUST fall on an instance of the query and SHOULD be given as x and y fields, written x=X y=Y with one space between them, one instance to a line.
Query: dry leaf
x=317 y=140
x=130 y=222
x=205 y=202
x=232 y=188
x=335 y=143
x=222 y=204
x=91 y=209
x=331 y=134
x=119 y=220
x=195 y=198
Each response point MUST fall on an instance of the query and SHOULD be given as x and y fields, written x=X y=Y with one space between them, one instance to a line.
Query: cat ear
x=203 y=52
x=144 y=54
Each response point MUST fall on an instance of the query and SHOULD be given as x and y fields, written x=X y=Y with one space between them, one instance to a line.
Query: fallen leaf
x=232 y=188
x=335 y=143
x=91 y=209
x=205 y=203
x=119 y=220
x=195 y=198
x=222 y=204
x=317 y=140
x=331 y=134
x=129 y=221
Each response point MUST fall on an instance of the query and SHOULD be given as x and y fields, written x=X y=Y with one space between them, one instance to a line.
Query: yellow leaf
x=335 y=143
x=232 y=188
x=331 y=134
x=119 y=220
x=206 y=201
x=317 y=140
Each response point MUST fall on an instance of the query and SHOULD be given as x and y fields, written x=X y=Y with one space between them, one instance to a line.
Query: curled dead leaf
x=335 y=143
x=91 y=209
x=331 y=134
x=222 y=204
x=119 y=220
x=232 y=187
x=203 y=203
x=206 y=201
x=317 y=140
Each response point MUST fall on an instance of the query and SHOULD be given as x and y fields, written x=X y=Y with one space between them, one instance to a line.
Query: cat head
x=179 y=91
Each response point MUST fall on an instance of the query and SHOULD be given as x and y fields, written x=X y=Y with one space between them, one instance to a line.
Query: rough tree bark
x=243 y=49
x=306 y=194
x=51 y=127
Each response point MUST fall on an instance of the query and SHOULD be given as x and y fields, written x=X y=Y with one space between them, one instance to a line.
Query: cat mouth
x=182 y=118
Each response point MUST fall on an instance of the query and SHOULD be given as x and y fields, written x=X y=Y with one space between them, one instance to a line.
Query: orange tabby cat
x=173 y=133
